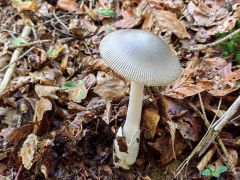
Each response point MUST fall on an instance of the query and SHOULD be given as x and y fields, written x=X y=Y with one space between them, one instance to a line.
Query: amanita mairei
x=144 y=59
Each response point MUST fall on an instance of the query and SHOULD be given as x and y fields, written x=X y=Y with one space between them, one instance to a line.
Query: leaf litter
x=60 y=112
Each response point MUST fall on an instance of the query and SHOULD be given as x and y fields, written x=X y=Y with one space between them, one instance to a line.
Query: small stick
x=203 y=111
x=218 y=125
x=28 y=44
x=20 y=57
x=19 y=173
x=9 y=73
x=218 y=109
x=212 y=132
x=55 y=16
x=202 y=47
x=35 y=43
x=220 y=143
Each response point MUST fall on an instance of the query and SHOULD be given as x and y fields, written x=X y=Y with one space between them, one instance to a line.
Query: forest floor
x=61 y=105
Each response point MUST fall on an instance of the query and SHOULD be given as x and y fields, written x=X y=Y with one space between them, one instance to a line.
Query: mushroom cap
x=140 y=56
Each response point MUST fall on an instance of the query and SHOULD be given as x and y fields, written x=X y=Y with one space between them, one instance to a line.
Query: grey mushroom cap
x=140 y=56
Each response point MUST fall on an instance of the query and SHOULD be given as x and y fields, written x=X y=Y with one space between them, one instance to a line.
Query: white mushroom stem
x=133 y=119
x=131 y=130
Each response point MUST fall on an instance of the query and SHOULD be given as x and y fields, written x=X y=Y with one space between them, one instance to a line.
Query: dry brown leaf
x=130 y=20
x=164 y=146
x=48 y=76
x=214 y=75
x=206 y=13
x=150 y=120
x=68 y=5
x=210 y=17
x=73 y=130
x=185 y=90
x=170 y=5
x=184 y=86
x=107 y=113
x=189 y=126
x=29 y=150
x=148 y=21
x=168 y=21
x=44 y=170
x=75 y=28
x=16 y=134
x=90 y=12
x=95 y=64
x=232 y=76
x=222 y=92
x=11 y=117
x=29 y=5
x=42 y=106
x=122 y=143
x=111 y=89
x=46 y=91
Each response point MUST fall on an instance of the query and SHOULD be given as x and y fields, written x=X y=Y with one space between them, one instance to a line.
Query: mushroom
x=144 y=59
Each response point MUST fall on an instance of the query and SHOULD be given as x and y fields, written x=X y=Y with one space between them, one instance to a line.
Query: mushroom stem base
x=125 y=151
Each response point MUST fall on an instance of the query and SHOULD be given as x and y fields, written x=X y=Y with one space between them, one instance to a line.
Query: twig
x=9 y=73
x=10 y=89
x=55 y=16
x=227 y=160
x=19 y=173
x=212 y=132
x=203 y=111
x=202 y=47
x=28 y=44
x=218 y=125
x=20 y=57
x=216 y=114
x=35 y=43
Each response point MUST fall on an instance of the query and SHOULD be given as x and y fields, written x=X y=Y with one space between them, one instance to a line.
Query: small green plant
x=106 y=12
x=68 y=85
x=18 y=41
x=214 y=171
x=231 y=47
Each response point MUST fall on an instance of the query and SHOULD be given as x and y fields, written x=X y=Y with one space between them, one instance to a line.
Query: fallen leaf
x=169 y=5
x=111 y=89
x=28 y=151
x=130 y=20
x=164 y=146
x=168 y=21
x=148 y=21
x=107 y=113
x=47 y=76
x=42 y=106
x=206 y=13
x=29 y=5
x=47 y=91
x=208 y=18
x=184 y=86
x=76 y=90
x=68 y=5
x=96 y=64
x=90 y=12
x=15 y=134
x=150 y=120
x=189 y=126
x=55 y=50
